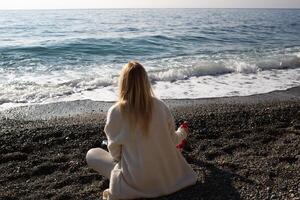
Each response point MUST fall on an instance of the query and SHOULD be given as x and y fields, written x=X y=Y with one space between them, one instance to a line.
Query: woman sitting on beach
x=142 y=160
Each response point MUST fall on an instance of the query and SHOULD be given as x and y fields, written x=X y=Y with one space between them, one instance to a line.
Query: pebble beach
x=241 y=148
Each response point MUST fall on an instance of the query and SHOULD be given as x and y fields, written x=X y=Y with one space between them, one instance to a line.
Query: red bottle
x=182 y=144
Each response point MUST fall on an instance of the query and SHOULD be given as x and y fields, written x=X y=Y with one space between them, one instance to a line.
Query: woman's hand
x=185 y=126
x=182 y=144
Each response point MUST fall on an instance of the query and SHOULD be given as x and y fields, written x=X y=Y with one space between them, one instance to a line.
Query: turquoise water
x=58 y=55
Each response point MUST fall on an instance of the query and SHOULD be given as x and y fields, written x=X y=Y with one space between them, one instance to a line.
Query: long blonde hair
x=135 y=95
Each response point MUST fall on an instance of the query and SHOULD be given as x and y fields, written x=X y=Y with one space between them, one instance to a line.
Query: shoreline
x=89 y=107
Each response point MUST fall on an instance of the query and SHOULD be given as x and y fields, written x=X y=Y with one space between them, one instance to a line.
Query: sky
x=71 y=4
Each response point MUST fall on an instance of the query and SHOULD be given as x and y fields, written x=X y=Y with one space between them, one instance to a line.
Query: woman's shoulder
x=160 y=103
x=114 y=110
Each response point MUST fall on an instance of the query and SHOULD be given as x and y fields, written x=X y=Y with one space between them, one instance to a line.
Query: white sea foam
x=197 y=79
x=204 y=68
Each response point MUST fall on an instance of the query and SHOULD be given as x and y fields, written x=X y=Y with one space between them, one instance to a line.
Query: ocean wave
x=33 y=87
x=24 y=93
x=179 y=73
x=205 y=68
x=101 y=46
x=33 y=92
x=89 y=83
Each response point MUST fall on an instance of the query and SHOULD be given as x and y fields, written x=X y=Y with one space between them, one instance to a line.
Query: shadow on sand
x=213 y=183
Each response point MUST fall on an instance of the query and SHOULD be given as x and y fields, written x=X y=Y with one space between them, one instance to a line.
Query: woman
x=142 y=160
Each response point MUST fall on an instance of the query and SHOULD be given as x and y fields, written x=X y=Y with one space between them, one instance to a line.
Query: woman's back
x=141 y=141
x=149 y=165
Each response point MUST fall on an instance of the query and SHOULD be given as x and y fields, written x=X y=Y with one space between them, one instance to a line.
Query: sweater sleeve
x=178 y=135
x=112 y=131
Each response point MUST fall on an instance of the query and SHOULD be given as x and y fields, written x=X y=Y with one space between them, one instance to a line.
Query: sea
x=65 y=55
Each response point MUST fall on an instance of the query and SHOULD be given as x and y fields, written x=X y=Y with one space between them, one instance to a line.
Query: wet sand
x=240 y=147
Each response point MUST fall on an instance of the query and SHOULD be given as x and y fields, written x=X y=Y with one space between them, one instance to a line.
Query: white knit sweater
x=147 y=166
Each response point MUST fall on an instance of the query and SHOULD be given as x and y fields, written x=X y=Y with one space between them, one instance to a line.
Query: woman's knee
x=90 y=156
x=100 y=160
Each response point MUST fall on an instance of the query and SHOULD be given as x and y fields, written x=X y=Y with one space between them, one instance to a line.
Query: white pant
x=101 y=161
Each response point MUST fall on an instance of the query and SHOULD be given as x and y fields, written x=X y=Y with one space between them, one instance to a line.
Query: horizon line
x=29 y=9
